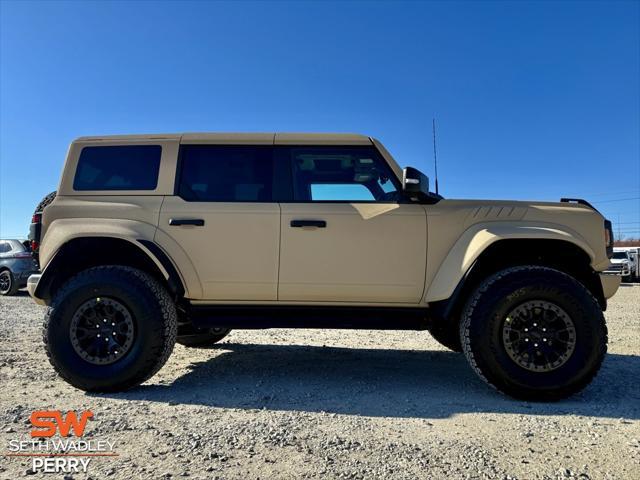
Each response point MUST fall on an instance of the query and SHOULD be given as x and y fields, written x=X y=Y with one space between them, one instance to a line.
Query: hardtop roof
x=243 y=138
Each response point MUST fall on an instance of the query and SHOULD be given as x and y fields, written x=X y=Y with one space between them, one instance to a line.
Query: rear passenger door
x=347 y=236
x=225 y=219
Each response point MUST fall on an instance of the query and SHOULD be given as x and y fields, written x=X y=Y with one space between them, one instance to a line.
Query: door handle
x=196 y=222
x=308 y=223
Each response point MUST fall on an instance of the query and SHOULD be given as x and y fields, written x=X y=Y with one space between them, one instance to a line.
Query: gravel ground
x=331 y=404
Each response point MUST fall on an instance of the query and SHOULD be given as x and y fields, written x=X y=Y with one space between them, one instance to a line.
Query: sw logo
x=46 y=423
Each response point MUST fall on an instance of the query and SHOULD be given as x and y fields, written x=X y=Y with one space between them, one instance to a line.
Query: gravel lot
x=331 y=404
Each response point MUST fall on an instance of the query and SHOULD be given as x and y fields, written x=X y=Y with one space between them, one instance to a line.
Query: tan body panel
x=235 y=253
x=366 y=253
x=128 y=217
x=460 y=230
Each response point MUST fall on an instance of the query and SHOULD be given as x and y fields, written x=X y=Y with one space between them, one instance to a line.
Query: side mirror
x=414 y=181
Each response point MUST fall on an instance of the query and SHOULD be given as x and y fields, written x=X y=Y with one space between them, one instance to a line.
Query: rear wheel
x=110 y=328
x=8 y=284
x=534 y=333
x=204 y=338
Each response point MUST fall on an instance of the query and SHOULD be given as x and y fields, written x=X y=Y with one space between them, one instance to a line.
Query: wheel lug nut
x=535 y=324
x=526 y=339
x=526 y=329
x=98 y=335
x=544 y=339
x=114 y=334
x=544 y=329
x=535 y=344
x=106 y=339
x=113 y=324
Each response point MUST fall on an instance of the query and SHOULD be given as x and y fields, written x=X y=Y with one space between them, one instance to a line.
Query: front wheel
x=110 y=328
x=534 y=333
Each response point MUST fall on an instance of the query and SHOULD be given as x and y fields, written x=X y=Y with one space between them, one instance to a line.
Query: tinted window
x=5 y=247
x=218 y=173
x=347 y=174
x=118 y=168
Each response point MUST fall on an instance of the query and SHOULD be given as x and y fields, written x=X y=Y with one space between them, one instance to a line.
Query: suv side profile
x=153 y=239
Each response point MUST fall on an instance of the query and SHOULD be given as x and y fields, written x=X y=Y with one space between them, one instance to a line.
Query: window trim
x=117 y=189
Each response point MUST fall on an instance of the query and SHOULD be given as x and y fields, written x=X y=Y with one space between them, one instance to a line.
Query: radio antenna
x=435 y=156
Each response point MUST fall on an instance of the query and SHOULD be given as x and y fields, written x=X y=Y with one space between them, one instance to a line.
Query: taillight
x=34 y=245
x=37 y=218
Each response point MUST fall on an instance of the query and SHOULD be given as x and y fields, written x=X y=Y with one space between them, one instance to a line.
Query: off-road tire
x=447 y=335
x=155 y=327
x=13 y=286
x=45 y=201
x=204 y=340
x=483 y=321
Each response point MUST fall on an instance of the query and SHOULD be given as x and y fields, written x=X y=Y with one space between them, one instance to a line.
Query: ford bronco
x=153 y=239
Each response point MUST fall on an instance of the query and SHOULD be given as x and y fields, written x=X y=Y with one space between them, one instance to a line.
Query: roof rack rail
x=579 y=201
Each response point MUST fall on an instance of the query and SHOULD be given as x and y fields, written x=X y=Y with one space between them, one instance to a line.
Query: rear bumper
x=32 y=284
x=610 y=284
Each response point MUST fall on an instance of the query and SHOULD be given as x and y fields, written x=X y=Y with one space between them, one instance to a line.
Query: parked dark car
x=16 y=264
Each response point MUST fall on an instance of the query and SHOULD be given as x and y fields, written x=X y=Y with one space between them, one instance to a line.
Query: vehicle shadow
x=379 y=383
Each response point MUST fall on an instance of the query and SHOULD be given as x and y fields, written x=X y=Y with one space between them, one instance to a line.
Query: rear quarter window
x=133 y=167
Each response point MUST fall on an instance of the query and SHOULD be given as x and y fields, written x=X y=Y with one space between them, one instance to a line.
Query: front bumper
x=610 y=284
x=32 y=284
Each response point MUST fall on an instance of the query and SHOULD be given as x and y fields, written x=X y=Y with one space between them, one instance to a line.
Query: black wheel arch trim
x=174 y=282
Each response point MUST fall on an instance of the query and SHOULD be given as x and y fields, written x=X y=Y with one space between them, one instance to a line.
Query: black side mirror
x=414 y=181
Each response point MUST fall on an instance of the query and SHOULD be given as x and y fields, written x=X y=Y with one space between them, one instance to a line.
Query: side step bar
x=260 y=316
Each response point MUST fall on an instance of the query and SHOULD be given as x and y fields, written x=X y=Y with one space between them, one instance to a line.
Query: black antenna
x=435 y=157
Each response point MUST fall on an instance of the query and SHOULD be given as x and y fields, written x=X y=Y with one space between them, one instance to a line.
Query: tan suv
x=153 y=237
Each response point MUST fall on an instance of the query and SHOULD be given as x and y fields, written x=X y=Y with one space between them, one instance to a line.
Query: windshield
x=620 y=255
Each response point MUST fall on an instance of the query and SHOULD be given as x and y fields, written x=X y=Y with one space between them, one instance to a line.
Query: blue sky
x=533 y=100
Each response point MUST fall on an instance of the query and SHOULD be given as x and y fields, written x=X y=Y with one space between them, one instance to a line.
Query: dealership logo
x=47 y=422
x=57 y=445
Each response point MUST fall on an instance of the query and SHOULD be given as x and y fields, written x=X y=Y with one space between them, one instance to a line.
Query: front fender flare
x=479 y=237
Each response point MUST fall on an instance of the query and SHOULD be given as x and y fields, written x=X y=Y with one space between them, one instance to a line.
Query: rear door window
x=226 y=173
x=133 y=167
